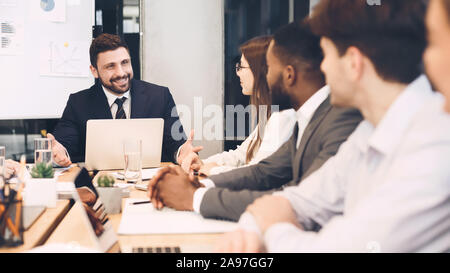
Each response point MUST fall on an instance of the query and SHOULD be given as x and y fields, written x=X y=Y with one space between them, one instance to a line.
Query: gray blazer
x=235 y=190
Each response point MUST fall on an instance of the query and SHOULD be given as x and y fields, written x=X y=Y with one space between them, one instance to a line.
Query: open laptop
x=93 y=230
x=105 y=138
x=87 y=226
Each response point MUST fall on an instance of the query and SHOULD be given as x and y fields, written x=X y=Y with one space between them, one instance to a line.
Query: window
x=246 y=19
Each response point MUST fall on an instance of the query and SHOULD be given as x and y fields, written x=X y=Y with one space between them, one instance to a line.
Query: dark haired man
x=116 y=95
x=388 y=187
x=437 y=55
x=294 y=77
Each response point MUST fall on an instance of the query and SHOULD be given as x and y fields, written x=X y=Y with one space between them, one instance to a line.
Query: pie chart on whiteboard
x=47 y=5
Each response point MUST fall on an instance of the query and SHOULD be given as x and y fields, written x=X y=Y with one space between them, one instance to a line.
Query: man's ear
x=354 y=63
x=289 y=75
x=94 y=71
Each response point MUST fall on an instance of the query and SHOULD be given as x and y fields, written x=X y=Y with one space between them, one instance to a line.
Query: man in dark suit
x=293 y=60
x=115 y=95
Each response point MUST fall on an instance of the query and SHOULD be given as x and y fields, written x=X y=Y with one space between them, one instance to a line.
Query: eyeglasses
x=239 y=67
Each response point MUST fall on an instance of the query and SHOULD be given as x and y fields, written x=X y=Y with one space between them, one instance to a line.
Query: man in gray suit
x=293 y=60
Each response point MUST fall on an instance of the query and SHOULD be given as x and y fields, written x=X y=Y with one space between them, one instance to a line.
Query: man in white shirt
x=388 y=187
x=293 y=60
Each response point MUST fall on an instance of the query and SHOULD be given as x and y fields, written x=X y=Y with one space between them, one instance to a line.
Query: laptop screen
x=95 y=211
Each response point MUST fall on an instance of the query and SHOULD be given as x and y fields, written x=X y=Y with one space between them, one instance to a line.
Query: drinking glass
x=43 y=151
x=2 y=162
x=132 y=150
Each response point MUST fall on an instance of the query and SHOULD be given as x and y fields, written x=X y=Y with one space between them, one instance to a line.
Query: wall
x=183 y=49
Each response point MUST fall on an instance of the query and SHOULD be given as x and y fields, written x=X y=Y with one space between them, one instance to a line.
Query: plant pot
x=111 y=199
x=41 y=192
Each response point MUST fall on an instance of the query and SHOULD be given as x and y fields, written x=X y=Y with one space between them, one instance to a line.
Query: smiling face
x=114 y=70
x=246 y=76
x=437 y=54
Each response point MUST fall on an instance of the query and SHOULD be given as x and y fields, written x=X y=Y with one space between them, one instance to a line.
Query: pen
x=140 y=203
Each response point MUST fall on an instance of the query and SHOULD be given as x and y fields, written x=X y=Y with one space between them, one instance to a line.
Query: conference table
x=57 y=225
x=188 y=242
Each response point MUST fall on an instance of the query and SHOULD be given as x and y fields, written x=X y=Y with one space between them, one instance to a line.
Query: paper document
x=12 y=39
x=65 y=187
x=144 y=219
x=147 y=174
x=65 y=190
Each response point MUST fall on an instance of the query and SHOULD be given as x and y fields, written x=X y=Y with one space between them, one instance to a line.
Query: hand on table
x=187 y=151
x=206 y=168
x=191 y=163
x=173 y=188
x=87 y=196
x=11 y=168
x=60 y=156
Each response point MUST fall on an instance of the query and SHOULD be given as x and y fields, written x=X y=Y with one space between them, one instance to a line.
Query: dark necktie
x=120 y=114
x=296 y=128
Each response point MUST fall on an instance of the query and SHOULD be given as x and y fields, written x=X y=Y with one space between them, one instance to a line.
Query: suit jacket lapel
x=100 y=107
x=138 y=101
x=315 y=121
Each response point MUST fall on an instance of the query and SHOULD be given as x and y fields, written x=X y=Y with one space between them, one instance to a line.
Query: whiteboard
x=44 y=55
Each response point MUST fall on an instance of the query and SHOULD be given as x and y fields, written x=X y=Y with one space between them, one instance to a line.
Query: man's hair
x=105 y=42
x=391 y=35
x=295 y=44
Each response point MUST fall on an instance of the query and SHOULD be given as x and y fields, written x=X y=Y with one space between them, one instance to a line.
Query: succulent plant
x=106 y=181
x=42 y=170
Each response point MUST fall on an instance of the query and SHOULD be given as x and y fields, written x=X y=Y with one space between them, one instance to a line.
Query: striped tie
x=120 y=114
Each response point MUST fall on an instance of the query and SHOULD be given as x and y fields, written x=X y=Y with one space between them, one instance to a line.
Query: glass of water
x=132 y=150
x=43 y=151
x=2 y=162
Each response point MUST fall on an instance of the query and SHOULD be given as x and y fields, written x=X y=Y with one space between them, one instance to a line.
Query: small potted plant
x=41 y=188
x=110 y=196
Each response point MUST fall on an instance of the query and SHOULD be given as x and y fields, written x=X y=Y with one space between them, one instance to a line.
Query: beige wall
x=184 y=50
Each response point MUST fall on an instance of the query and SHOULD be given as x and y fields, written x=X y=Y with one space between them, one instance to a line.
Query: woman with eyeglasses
x=273 y=129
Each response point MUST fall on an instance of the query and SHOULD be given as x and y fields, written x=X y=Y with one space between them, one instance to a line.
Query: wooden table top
x=188 y=242
x=42 y=229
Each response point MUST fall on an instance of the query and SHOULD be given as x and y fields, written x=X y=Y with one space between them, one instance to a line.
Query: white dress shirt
x=113 y=106
x=386 y=190
x=111 y=99
x=277 y=131
x=302 y=116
